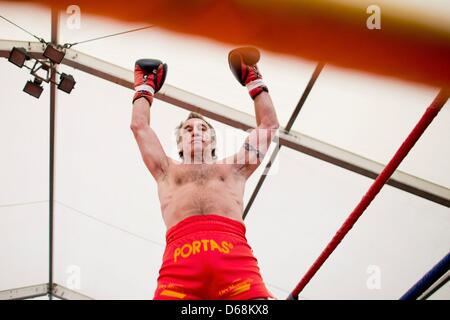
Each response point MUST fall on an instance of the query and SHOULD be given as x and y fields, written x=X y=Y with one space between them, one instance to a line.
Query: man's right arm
x=151 y=149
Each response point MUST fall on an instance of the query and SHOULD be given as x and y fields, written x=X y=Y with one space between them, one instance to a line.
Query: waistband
x=209 y=222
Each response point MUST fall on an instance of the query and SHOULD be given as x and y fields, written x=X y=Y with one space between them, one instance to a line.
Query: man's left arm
x=256 y=145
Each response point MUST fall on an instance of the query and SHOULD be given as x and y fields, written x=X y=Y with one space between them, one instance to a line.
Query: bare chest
x=200 y=174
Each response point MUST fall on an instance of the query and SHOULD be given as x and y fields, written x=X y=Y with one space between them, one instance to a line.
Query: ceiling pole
x=288 y=127
x=54 y=40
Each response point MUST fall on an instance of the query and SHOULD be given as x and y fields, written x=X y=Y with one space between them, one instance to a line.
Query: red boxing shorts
x=207 y=257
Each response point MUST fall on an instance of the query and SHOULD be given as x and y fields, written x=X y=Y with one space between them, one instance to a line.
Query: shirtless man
x=206 y=255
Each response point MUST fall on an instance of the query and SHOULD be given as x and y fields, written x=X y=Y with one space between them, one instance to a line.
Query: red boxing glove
x=242 y=63
x=149 y=77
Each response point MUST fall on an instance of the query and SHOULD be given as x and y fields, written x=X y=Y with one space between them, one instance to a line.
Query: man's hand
x=242 y=63
x=149 y=76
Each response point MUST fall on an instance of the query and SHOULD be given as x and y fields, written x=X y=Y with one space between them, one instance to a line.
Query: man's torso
x=195 y=189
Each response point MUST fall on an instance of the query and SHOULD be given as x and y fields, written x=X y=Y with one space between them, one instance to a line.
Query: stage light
x=18 y=56
x=54 y=54
x=41 y=70
x=34 y=88
x=66 y=83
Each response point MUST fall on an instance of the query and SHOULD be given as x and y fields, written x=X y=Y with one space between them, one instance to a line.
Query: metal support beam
x=244 y=121
x=41 y=290
x=287 y=128
x=318 y=69
x=442 y=281
x=25 y=292
x=54 y=40
x=68 y=294
x=261 y=180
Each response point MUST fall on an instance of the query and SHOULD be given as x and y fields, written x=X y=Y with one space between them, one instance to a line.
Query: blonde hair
x=194 y=115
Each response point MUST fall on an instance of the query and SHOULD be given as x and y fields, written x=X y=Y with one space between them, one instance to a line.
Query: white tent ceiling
x=107 y=215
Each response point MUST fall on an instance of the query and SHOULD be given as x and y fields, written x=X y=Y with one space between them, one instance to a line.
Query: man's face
x=195 y=139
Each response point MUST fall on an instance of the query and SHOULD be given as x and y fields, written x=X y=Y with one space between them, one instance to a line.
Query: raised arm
x=149 y=76
x=242 y=63
x=256 y=145
x=151 y=149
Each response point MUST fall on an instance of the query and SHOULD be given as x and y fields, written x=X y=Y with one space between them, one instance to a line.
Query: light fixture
x=54 y=54
x=34 y=88
x=66 y=83
x=41 y=70
x=18 y=56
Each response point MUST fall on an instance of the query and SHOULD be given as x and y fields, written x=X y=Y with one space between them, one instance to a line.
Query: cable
x=14 y=24
x=21 y=204
x=109 y=224
x=86 y=215
x=69 y=45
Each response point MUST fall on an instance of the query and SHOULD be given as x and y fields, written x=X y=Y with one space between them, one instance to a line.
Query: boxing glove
x=242 y=62
x=149 y=77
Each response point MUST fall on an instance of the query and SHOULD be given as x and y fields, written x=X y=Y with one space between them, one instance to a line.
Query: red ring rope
x=376 y=186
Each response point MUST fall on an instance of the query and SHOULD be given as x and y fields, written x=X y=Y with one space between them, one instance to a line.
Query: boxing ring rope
x=439 y=270
x=374 y=189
